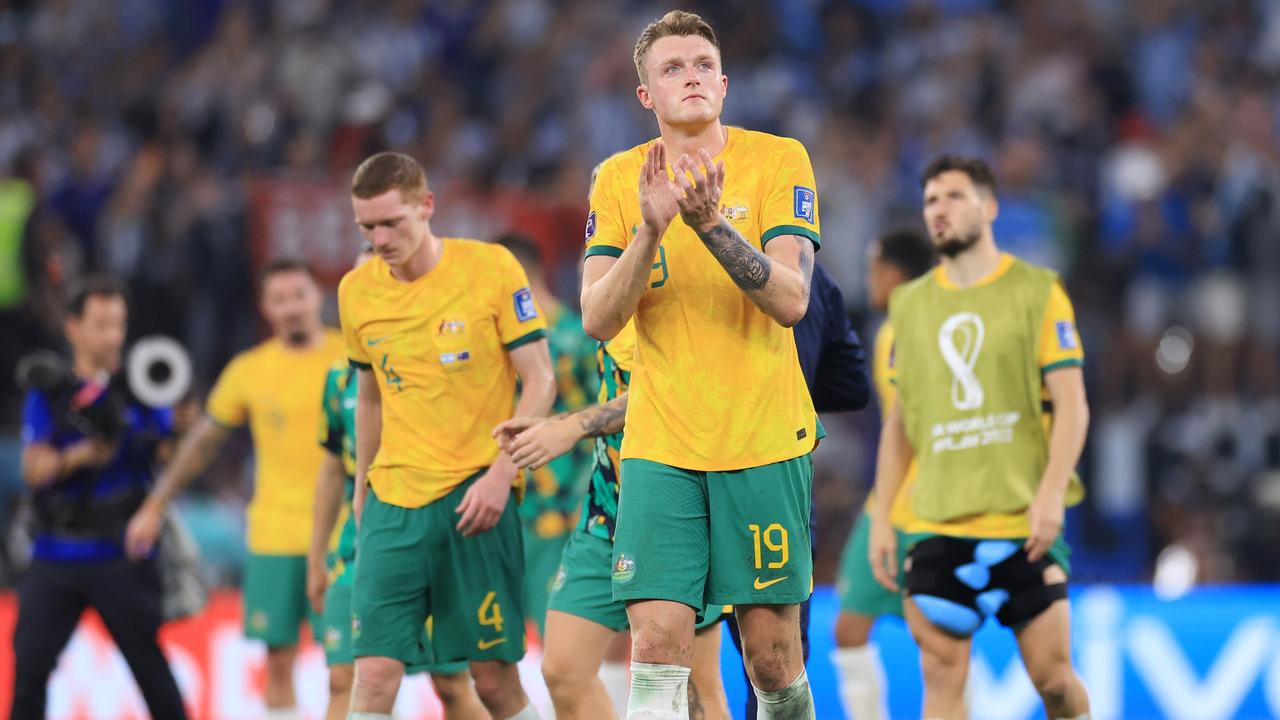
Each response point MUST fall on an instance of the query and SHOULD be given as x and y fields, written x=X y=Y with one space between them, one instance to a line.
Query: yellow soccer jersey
x=277 y=391
x=438 y=347
x=881 y=354
x=718 y=385
x=1059 y=347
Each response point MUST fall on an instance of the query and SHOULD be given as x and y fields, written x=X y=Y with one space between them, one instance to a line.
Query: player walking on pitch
x=331 y=561
x=991 y=407
x=275 y=388
x=438 y=328
x=895 y=258
x=716 y=472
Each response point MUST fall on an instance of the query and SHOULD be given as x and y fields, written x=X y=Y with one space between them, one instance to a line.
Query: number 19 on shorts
x=774 y=540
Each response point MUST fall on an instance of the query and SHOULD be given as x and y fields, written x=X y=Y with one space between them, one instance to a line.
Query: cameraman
x=87 y=454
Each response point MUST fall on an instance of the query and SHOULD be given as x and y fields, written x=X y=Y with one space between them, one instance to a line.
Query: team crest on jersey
x=624 y=569
x=591 y=225
x=806 y=201
x=1066 y=335
x=526 y=310
x=734 y=213
x=451 y=327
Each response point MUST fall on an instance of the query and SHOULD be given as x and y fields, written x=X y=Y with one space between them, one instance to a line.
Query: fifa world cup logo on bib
x=960 y=341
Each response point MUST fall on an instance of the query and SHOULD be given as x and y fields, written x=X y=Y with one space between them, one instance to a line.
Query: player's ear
x=642 y=94
x=428 y=204
x=990 y=207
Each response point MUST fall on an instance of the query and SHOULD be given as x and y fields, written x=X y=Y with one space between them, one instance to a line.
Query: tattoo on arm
x=605 y=419
x=696 y=711
x=748 y=267
x=806 y=261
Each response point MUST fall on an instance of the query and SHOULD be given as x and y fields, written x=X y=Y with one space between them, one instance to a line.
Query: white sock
x=368 y=716
x=617 y=684
x=658 y=692
x=861 y=682
x=794 y=702
x=528 y=713
x=283 y=714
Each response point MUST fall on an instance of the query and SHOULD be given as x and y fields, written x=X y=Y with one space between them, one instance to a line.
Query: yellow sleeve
x=606 y=233
x=1059 y=341
x=228 y=403
x=520 y=320
x=357 y=354
x=790 y=207
x=881 y=368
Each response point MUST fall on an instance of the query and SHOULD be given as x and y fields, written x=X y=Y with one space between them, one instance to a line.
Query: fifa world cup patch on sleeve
x=805 y=199
x=591 y=225
x=525 y=309
x=1066 y=335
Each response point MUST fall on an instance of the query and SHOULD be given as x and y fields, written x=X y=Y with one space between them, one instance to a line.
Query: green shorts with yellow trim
x=275 y=599
x=737 y=537
x=412 y=564
x=583 y=586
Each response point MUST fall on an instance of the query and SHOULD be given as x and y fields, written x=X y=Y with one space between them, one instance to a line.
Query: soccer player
x=331 y=560
x=549 y=509
x=583 y=617
x=715 y=464
x=895 y=258
x=276 y=388
x=985 y=349
x=439 y=329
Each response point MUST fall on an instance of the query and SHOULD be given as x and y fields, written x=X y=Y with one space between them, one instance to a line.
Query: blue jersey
x=128 y=472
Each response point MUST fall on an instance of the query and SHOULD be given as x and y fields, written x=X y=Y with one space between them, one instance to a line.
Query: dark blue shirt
x=129 y=468
x=831 y=356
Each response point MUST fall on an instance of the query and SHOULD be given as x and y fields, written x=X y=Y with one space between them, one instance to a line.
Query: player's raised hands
x=658 y=195
x=699 y=200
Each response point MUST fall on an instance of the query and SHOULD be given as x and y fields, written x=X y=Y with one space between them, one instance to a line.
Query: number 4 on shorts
x=490 y=612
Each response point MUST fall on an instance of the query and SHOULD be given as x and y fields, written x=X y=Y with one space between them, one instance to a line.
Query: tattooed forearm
x=605 y=419
x=696 y=711
x=748 y=267
x=806 y=261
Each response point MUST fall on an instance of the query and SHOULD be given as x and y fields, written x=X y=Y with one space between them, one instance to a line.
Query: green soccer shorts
x=583 y=586
x=334 y=633
x=275 y=599
x=541 y=563
x=412 y=564
x=737 y=537
x=857 y=587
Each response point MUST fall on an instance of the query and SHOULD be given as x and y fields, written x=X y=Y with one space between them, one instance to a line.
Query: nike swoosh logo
x=486 y=644
x=763 y=585
x=375 y=341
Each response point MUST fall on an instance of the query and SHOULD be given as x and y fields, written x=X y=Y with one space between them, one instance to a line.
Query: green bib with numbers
x=966 y=363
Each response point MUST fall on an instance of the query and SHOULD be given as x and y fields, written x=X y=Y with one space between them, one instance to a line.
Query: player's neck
x=687 y=140
x=972 y=265
x=314 y=338
x=421 y=262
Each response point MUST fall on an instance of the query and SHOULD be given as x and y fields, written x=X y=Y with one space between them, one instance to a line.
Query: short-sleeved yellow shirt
x=277 y=390
x=718 y=384
x=438 y=347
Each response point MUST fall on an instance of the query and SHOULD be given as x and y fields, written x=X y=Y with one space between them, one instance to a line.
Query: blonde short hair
x=388 y=171
x=677 y=23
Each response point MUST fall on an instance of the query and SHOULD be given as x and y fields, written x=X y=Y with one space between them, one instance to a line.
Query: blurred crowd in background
x=1135 y=144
